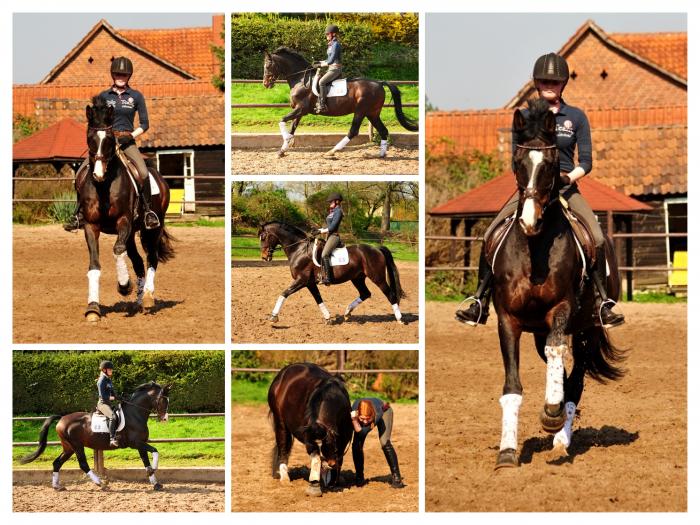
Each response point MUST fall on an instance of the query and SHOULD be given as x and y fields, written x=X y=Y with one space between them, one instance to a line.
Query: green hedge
x=364 y=51
x=60 y=382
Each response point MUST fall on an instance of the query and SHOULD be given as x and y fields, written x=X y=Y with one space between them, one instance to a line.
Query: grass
x=657 y=297
x=249 y=248
x=249 y=120
x=171 y=454
x=244 y=392
x=201 y=222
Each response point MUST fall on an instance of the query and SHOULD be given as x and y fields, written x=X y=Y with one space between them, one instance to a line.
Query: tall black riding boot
x=327 y=271
x=113 y=432
x=358 y=458
x=150 y=219
x=393 y=461
x=607 y=317
x=478 y=311
x=321 y=106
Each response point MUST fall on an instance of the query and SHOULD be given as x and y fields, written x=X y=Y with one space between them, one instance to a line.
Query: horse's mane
x=99 y=103
x=290 y=53
x=289 y=227
x=331 y=387
x=537 y=111
x=145 y=387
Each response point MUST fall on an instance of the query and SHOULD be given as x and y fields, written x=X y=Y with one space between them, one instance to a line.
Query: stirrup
x=611 y=304
x=473 y=299
x=151 y=213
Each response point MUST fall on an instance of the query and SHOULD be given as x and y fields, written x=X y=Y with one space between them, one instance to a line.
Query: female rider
x=550 y=74
x=126 y=102
x=333 y=220
x=106 y=394
x=335 y=68
x=366 y=414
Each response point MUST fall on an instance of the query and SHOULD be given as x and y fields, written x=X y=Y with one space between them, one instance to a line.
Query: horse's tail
x=43 y=433
x=161 y=240
x=393 y=273
x=408 y=123
x=600 y=356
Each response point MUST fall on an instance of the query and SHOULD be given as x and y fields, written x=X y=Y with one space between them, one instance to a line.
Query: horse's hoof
x=559 y=451
x=401 y=322
x=60 y=488
x=314 y=489
x=93 y=314
x=157 y=486
x=328 y=321
x=507 y=458
x=148 y=300
x=280 y=154
x=346 y=317
x=126 y=289
x=273 y=318
x=554 y=422
x=330 y=154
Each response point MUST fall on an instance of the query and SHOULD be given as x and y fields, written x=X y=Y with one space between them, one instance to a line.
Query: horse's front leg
x=144 y=449
x=314 y=488
x=287 y=137
x=509 y=332
x=293 y=288
x=319 y=301
x=139 y=268
x=124 y=233
x=92 y=237
x=553 y=414
x=354 y=130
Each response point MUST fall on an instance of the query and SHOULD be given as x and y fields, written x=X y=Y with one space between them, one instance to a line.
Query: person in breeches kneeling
x=333 y=220
x=105 y=391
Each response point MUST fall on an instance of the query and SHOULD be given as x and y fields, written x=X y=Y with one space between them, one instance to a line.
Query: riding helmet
x=551 y=67
x=334 y=197
x=106 y=364
x=332 y=28
x=122 y=65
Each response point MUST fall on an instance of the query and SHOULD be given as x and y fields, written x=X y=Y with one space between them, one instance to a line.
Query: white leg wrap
x=315 y=474
x=150 y=284
x=122 y=270
x=285 y=134
x=352 y=305
x=54 y=480
x=324 y=311
x=94 y=477
x=152 y=479
x=284 y=472
x=382 y=148
x=510 y=403
x=397 y=312
x=278 y=305
x=93 y=286
x=155 y=461
x=554 y=392
x=563 y=437
x=140 y=282
x=343 y=142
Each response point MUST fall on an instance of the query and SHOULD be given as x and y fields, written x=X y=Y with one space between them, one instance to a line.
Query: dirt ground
x=254 y=490
x=353 y=160
x=628 y=451
x=50 y=290
x=256 y=286
x=119 y=496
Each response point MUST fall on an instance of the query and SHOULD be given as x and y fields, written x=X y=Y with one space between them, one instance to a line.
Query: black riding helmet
x=334 y=197
x=122 y=66
x=551 y=67
x=332 y=28
x=106 y=364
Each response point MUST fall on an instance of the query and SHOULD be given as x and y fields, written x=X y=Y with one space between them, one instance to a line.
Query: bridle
x=272 y=250
x=101 y=158
x=276 y=75
x=531 y=193
x=154 y=403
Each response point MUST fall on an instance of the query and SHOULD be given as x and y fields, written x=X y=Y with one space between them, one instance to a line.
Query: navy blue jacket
x=572 y=130
x=378 y=410
x=125 y=107
x=334 y=52
x=333 y=219
x=105 y=388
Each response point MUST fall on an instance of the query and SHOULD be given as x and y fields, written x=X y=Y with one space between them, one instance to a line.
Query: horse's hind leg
x=139 y=269
x=92 y=237
x=124 y=233
x=573 y=389
x=283 y=447
x=354 y=130
x=383 y=133
x=379 y=278
x=150 y=239
x=57 y=464
x=319 y=301
x=144 y=449
x=553 y=414
x=82 y=461
x=509 y=332
x=365 y=294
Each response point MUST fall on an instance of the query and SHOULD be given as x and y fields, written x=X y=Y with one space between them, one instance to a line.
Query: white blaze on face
x=528 y=213
x=99 y=165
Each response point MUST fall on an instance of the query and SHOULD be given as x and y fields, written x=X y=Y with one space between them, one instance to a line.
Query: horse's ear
x=550 y=122
x=109 y=117
x=167 y=388
x=268 y=55
x=518 y=120
x=88 y=113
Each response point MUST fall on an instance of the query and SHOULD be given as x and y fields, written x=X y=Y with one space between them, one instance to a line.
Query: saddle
x=339 y=257
x=338 y=87
x=99 y=425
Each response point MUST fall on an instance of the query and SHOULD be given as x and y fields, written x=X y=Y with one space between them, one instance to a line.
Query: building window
x=177 y=166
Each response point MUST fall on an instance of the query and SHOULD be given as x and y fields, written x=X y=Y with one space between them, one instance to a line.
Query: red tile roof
x=669 y=51
x=65 y=140
x=489 y=198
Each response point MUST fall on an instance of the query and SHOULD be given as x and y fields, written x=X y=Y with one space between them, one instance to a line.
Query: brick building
x=174 y=69
x=633 y=87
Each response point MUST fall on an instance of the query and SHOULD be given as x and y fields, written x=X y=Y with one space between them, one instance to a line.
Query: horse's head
x=154 y=398
x=270 y=71
x=100 y=136
x=268 y=242
x=536 y=161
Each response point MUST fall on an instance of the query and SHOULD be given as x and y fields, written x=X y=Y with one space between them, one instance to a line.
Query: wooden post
x=340 y=360
x=629 y=256
x=99 y=462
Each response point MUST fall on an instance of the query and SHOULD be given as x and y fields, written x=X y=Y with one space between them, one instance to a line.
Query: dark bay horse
x=539 y=287
x=365 y=261
x=110 y=202
x=364 y=98
x=311 y=405
x=74 y=431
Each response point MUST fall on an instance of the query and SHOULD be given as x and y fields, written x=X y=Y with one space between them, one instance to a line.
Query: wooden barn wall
x=210 y=162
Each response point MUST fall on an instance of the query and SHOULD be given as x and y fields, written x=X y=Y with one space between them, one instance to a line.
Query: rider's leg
x=478 y=310
x=107 y=411
x=598 y=274
x=75 y=222
x=150 y=218
x=331 y=244
x=324 y=85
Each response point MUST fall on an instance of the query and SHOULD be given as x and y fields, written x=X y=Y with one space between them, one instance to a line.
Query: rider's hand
x=316 y=64
x=565 y=180
x=125 y=139
x=111 y=398
x=315 y=232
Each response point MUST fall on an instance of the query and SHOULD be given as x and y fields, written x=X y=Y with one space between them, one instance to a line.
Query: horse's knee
x=365 y=295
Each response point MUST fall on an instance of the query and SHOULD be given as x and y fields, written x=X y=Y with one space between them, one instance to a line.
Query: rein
x=279 y=242
x=153 y=403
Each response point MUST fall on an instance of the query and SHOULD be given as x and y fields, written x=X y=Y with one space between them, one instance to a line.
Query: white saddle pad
x=339 y=257
x=98 y=422
x=339 y=88
x=155 y=190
